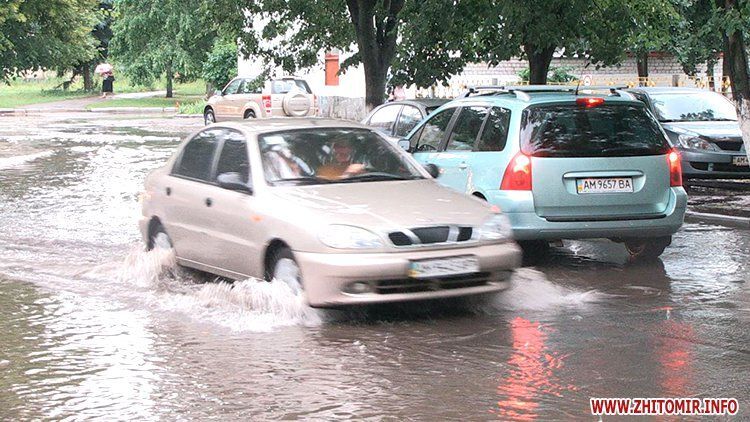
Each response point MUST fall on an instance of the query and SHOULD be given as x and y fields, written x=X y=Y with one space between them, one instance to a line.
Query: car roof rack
x=522 y=91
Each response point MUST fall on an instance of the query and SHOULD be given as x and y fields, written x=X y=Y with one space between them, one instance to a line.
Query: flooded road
x=93 y=326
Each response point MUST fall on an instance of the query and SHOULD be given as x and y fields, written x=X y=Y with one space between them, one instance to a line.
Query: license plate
x=604 y=185
x=440 y=267
x=740 y=160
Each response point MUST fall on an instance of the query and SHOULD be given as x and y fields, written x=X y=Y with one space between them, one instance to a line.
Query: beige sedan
x=332 y=209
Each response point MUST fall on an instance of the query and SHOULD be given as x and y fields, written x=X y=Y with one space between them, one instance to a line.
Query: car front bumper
x=712 y=165
x=327 y=277
x=527 y=225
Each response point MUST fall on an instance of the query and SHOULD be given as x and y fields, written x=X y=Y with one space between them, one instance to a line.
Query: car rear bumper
x=712 y=165
x=527 y=225
x=327 y=277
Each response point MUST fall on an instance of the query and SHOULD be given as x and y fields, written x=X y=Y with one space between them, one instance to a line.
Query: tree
x=102 y=33
x=42 y=34
x=651 y=28
x=732 y=17
x=413 y=41
x=601 y=31
x=154 y=38
x=221 y=64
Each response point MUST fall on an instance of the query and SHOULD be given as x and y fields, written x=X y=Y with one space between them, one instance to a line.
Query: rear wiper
x=309 y=180
x=375 y=176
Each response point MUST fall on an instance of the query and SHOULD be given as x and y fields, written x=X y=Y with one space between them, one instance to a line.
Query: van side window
x=432 y=132
x=495 y=134
x=466 y=130
x=198 y=156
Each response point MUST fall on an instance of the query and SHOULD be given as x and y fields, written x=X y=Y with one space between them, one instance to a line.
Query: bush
x=221 y=65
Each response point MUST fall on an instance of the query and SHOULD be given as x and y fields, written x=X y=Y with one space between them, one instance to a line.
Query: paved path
x=82 y=103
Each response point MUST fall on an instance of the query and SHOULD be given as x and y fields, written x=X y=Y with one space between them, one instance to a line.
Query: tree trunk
x=170 y=76
x=376 y=43
x=736 y=54
x=88 y=83
x=539 y=60
x=725 y=67
x=641 y=62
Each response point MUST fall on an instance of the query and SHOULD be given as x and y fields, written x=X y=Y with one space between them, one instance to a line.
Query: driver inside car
x=340 y=164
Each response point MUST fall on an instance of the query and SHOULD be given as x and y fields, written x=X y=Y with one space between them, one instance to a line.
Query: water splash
x=21 y=160
x=530 y=289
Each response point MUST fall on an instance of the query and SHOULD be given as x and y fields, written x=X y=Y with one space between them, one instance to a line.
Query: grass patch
x=20 y=93
x=192 y=108
x=160 y=102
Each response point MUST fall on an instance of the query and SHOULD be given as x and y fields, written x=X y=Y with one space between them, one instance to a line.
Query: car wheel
x=647 y=249
x=283 y=267
x=209 y=117
x=249 y=114
x=159 y=239
x=533 y=250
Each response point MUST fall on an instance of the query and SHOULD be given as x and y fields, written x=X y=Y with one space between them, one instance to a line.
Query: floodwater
x=94 y=327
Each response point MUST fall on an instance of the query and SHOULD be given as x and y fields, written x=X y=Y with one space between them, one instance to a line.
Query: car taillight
x=675 y=168
x=518 y=173
x=590 y=101
x=267 y=104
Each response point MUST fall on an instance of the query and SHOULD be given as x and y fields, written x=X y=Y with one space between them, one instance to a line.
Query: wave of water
x=21 y=160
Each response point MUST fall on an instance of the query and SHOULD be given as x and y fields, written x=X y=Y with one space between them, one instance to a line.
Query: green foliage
x=160 y=37
x=45 y=34
x=555 y=74
x=221 y=64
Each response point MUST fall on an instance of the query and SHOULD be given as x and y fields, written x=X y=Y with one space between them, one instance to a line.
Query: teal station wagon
x=560 y=163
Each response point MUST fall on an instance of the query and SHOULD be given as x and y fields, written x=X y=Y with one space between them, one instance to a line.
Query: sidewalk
x=80 y=105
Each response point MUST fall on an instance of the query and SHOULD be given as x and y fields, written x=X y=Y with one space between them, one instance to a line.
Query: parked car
x=703 y=125
x=561 y=164
x=397 y=118
x=240 y=99
x=330 y=208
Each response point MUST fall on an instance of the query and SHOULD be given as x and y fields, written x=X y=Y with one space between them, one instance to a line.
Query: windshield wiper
x=303 y=180
x=376 y=176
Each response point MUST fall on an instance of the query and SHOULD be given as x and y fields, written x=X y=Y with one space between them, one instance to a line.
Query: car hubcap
x=209 y=118
x=287 y=272
x=161 y=241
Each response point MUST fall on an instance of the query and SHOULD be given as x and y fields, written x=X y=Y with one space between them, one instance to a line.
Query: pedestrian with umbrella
x=106 y=71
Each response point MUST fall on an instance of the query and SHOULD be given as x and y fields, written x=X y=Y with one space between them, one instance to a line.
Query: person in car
x=340 y=164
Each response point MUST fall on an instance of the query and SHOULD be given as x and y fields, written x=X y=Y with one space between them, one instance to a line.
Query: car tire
x=284 y=268
x=158 y=238
x=534 y=251
x=209 y=117
x=647 y=249
x=249 y=114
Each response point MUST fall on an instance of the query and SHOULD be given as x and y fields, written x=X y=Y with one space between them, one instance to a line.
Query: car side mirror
x=404 y=144
x=219 y=93
x=233 y=181
x=433 y=170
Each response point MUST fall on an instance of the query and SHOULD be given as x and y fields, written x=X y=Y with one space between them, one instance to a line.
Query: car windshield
x=332 y=155
x=600 y=131
x=693 y=107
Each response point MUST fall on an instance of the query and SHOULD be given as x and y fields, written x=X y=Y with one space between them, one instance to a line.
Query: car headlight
x=694 y=142
x=496 y=228
x=339 y=236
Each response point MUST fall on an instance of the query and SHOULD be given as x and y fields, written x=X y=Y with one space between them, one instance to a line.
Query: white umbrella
x=103 y=68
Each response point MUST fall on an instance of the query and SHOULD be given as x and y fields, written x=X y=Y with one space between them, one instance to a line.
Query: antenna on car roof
x=579 y=78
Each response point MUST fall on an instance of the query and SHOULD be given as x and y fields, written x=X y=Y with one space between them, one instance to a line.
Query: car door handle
x=209 y=202
x=169 y=191
x=463 y=166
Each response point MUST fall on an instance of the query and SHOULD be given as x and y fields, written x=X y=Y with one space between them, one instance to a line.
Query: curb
x=720 y=219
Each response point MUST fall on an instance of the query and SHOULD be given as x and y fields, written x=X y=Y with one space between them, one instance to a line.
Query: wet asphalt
x=94 y=327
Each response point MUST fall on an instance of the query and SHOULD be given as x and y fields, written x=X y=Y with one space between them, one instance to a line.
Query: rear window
x=610 y=130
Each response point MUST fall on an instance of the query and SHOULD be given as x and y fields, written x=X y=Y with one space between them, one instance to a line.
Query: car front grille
x=729 y=144
x=415 y=285
x=431 y=235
